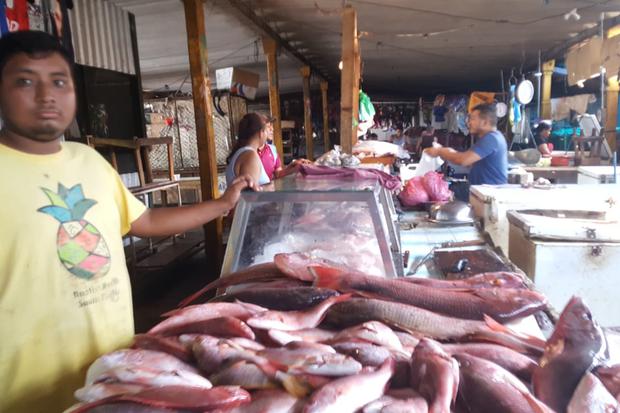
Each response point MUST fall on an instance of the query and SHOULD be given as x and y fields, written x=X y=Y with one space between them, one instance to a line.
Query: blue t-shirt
x=492 y=168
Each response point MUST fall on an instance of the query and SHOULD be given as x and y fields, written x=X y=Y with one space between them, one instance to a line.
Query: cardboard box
x=237 y=81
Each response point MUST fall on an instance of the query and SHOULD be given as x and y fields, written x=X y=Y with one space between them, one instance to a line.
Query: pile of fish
x=308 y=335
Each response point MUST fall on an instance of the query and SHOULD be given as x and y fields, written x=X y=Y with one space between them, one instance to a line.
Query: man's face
x=37 y=96
x=475 y=123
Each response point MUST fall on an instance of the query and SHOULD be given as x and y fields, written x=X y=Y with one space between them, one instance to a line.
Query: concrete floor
x=156 y=292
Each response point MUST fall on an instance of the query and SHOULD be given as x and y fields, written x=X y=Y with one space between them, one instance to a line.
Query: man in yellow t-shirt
x=65 y=296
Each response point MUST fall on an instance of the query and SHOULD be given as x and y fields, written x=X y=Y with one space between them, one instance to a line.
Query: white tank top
x=230 y=169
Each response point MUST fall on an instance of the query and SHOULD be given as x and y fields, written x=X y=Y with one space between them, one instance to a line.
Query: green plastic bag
x=367 y=109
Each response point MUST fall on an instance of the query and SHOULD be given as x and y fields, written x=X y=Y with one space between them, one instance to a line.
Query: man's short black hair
x=487 y=111
x=33 y=43
x=543 y=126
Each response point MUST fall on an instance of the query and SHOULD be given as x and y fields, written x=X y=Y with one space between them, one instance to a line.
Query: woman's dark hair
x=35 y=44
x=249 y=125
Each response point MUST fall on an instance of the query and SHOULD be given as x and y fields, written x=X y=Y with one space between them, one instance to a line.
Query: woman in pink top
x=268 y=155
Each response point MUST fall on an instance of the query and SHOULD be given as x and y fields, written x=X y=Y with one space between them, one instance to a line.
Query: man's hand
x=433 y=151
x=233 y=192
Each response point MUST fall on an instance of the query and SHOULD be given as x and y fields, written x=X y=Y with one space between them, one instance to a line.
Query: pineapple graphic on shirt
x=80 y=245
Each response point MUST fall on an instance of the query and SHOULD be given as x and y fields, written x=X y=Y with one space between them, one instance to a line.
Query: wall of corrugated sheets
x=101 y=36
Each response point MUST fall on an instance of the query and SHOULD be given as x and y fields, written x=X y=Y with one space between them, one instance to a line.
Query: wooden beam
x=326 y=141
x=305 y=72
x=611 y=118
x=557 y=52
x=349 y=80
x=270 y=49
x=205 y=134
x=247 y=10
x=545 y=103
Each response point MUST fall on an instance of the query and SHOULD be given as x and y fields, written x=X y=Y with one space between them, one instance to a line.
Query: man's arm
x=466 y=158
x=156 y=222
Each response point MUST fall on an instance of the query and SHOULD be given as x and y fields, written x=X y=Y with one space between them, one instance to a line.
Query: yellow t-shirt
x=65 y=296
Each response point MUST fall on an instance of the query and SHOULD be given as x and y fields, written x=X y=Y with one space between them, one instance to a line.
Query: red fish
x=260 y=272
x=419 y=321
x=202 y=312
x=179 y=397
x=518 y=364
x=221 y=327
x=592 y=397
x=435 y=375
x=610 y=376
x=486 y=387
x=271 y=401
x=484 y=280
x=348 y=394
x=577 y=343
x=295 y=320
x=313 y=335
x=296 y=265
x=135 y=357
x=170 y=345
x=499 y=303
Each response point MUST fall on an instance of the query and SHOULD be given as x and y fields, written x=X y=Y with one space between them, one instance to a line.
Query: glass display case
x=347 y=221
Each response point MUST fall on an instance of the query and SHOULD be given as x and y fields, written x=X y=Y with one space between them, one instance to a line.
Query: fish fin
x=170 y=313
x=520 y=342
x=186 y=301
x=326 y=277
x=532 y=340
x=536 y=405
x=293 y=385
x=342 y=297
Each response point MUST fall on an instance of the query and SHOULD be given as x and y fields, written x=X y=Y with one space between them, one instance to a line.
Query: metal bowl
x=450 y=213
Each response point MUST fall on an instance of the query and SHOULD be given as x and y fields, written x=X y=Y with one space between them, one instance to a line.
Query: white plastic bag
x=427 y=164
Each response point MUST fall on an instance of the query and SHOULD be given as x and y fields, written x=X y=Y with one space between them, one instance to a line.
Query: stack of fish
x=307 y=335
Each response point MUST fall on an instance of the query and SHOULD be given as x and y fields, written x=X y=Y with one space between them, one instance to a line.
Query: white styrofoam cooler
x=570 y=256
x=491 y=203
x=596 y=175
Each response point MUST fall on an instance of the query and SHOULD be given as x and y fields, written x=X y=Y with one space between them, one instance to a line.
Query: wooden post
x=325 y=116
x=205 y=134
x=546 y=89
x=611 y=119
x=305 y=72
x=270 y=49
x=349 y=80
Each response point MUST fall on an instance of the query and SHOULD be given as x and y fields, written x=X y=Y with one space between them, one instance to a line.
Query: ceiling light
x=580 y=83
x=340 y=65
x=613 y=32
x=538 y=74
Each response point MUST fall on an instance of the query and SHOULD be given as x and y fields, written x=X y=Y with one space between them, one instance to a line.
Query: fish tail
x=326 y=277
x=293 y=385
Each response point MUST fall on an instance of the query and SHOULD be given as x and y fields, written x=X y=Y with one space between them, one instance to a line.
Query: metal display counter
x=348 y=221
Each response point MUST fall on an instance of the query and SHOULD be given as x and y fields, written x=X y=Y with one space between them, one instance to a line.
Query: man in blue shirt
x=488 y=158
